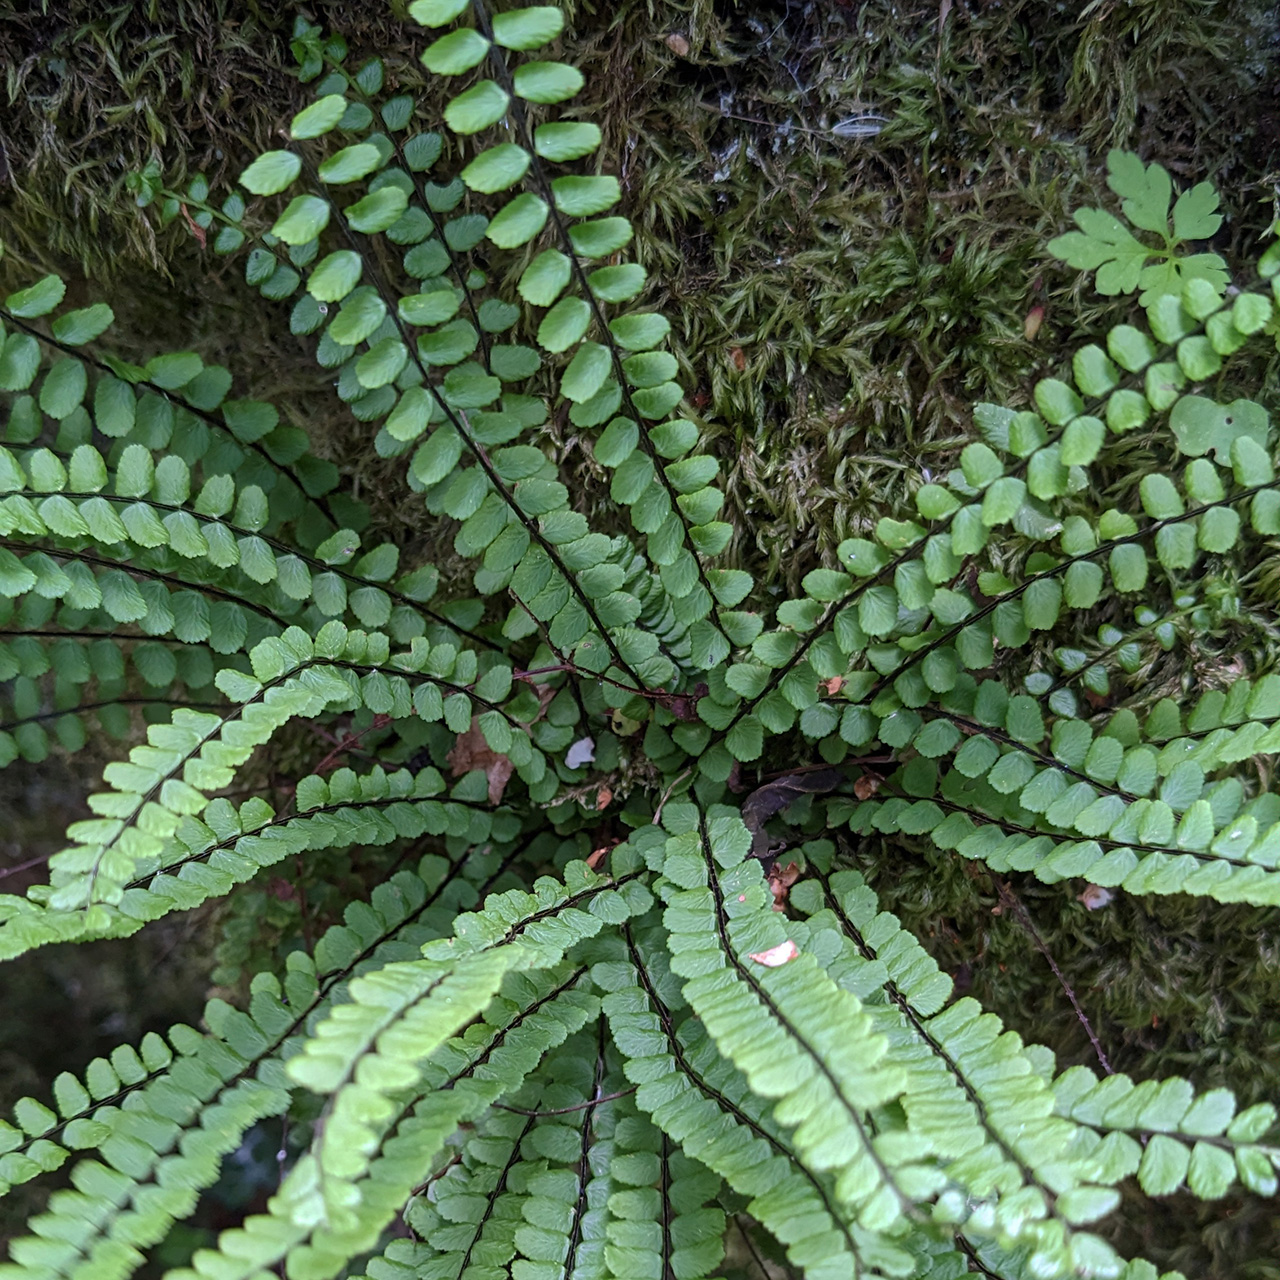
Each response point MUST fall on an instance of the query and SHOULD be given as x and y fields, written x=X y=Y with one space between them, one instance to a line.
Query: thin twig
x=751 y=1246
x=564 y=1111
x=666 y=795
x=1009 y=899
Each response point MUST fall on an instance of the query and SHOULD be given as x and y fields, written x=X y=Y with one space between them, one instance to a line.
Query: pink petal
x=775 y=956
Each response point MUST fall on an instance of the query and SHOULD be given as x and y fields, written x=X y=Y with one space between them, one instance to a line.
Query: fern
x=549 y=1056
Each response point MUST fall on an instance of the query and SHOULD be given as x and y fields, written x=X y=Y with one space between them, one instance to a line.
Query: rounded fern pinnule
x=581 y=1019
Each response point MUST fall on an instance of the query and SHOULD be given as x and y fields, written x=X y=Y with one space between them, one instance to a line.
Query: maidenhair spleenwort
x=568 y=1019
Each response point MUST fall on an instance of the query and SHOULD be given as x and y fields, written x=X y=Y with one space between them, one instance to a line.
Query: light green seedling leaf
x=336 y=276
x=436 y=13
x=319 y=117
x=526 y=29
x=479 y=107
x=547 y=81
x=271 y=173
x=455 y=53
x=75 y=328
x=1145 y=190
x=497 y=169
x=304 y=219
x=350 y=164
x=1103 y=245
x=37 y=300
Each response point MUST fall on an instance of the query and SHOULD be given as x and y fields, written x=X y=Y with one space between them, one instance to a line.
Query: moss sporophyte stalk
x=609 y=995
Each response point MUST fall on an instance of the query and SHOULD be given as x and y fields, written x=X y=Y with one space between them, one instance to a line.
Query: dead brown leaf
x=683 y=706
x=738 y=358
x=1031 y=325
x=833 y=686
x=780 y=880
x=604 y=797
x=471 y=751
x=677 y=44
x=193 y=226
x=866 y=786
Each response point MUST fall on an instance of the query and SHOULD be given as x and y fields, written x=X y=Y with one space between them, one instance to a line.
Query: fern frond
x=586 y=1037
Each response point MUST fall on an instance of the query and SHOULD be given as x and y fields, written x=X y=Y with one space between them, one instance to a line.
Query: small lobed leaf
x=350 y=164
x=477 y=108
x=527 y=29
x=455 y=53
x=271 y=172
x=547 y=82
x=302 y=221
x=319 y=118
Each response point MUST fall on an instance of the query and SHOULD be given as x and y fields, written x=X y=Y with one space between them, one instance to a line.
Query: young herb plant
x=585 y=1022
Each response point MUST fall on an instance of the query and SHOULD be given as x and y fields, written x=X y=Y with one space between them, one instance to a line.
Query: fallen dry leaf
x=866 y=786
x=683 y=706
x=677 y=44
x=471 y=751
x=780 y=880
x=738 y=358
x=597 y=856
x=1031 y=325
x=775 y=956
x=283 y=890
x=193 y=226
x=604 y=798
x=833 y=686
